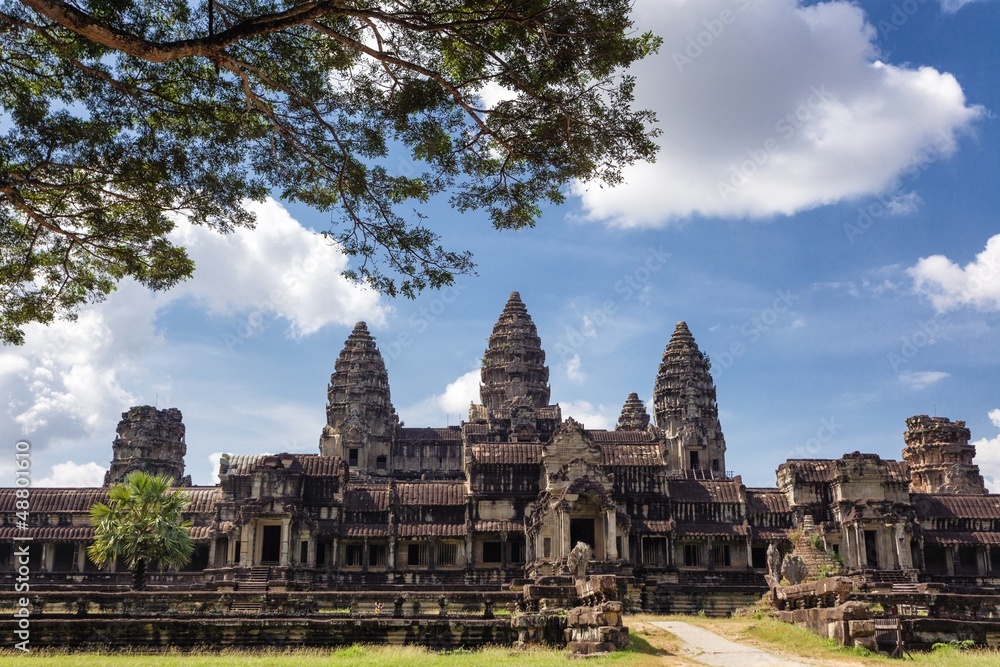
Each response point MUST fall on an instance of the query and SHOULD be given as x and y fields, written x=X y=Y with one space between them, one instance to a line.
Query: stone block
x=861 y=628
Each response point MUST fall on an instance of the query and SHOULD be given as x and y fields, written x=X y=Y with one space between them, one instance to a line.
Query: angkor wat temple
x=503 y=497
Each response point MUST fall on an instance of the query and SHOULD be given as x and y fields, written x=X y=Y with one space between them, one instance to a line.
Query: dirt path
x=709 y=648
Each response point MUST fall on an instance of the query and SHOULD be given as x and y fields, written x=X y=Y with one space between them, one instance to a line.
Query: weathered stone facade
x=503 y=497
x=151 y=440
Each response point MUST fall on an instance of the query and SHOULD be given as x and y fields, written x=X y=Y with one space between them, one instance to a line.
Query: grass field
x=651 y=647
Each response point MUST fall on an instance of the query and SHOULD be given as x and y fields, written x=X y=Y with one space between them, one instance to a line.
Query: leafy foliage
x=119 y=116
x=142 y=524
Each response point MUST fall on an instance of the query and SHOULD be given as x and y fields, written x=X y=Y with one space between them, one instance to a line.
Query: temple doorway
x=582 y=530
x=270 y=548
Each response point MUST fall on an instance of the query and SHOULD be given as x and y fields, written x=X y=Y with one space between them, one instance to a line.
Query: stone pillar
x=80 y=556
x=611 y=550
x=334 y=553
x=286 y=543
x=504 y=551
x=364 y=555
x=391 y=564
x=432 y=547
x=951 y=557
x=247 y=556
x=859 y=535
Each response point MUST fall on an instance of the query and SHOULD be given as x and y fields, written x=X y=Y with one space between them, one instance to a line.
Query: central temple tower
x=360 y=419
x=514 y=369
x=685 y=406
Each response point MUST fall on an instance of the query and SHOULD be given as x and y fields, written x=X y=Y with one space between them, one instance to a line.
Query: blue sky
x=823 y=214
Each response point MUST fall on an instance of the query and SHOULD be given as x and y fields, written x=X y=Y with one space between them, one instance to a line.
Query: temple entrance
x=270 y=548
x=582 y=530
x=871 y=548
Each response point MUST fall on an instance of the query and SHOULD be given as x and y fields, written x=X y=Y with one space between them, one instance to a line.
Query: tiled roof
x=308 y=464
x=899 y=471
x=949 y=506
x=361 y=530
x=506 y=453
x=51 y=500
x=622 y=437
x=76 y=533
x=431 y=493
x=446 y=434
x=46 y=500
x=631 y=455
x=767 y=501
x=704 y=491
x=950 y=537
x=768 y=534
x=499 y=526
x=652 y=526
x=431 y=530
x=202 y=498
x=812 y=470
x=52 y=533
x=366 y=498
x=710 y=530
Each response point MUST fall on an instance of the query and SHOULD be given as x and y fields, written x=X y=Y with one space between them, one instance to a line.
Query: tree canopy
x=142 y=524
x=121 y=115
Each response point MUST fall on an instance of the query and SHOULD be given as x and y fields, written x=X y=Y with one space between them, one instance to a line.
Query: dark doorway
x=62 y=559
x=871 y=548
x=968 y=560
x=935 y=559
x=270 y=551
x=581 y=530
x=694 y=460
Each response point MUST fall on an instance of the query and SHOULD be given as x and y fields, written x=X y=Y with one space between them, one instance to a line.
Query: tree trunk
x=139 y=576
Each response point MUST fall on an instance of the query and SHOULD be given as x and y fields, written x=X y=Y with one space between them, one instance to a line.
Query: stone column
x=611 y=550
x=81 y=556
x=859 y=535
x=286 y=543
x=951 y=558
x=364 y=556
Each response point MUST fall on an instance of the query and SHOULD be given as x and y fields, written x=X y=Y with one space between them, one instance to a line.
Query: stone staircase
x=256 y=582
x=816 y=559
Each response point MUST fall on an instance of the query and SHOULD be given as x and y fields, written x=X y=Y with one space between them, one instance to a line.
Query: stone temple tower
x=939 y=456
x=150 y=440
x=360 y=419
x=634 y=416
x=514 y=370
x=685 y=407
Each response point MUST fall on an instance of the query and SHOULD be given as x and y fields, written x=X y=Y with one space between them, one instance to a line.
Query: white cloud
x=213 y=462
x=950 y=286
x=71 y=381
x=70 y=474
x=587 y=414
x=921 y=379
x=952 y=6
x=280 y=268
x=574 y=371
x=988 y=456
x=773 y=108
x=455 y=399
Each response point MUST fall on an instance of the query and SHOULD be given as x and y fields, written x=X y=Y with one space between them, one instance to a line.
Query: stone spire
x=514 y=369
x=939 y=456
x=685 y=406
x=150 y=440
x=360 y=419
x=634 y=416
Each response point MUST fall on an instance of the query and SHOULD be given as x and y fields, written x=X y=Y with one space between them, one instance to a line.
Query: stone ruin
x=490 y=511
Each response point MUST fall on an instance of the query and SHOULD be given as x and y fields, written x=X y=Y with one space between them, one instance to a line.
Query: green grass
x=642 y=654
x=785 y=638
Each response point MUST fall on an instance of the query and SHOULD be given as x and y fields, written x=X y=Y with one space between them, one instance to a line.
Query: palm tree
x=142 y=525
